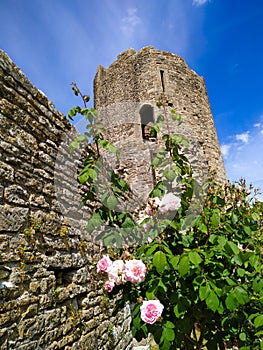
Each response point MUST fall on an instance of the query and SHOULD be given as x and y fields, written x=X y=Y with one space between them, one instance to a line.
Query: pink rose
x=169 y=202
x=116 y=272
x=135 y=271
x=151 y=310
x=104 y=264
x=109 y=285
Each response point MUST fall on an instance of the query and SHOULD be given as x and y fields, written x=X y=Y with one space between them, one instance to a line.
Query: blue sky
x=56 y=42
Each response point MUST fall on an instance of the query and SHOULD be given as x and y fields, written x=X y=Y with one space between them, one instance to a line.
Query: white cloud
x=130 y=21
x=243 y=157
x=200 y=2
x=225 y=150
x=257 y=125
x=243 y=137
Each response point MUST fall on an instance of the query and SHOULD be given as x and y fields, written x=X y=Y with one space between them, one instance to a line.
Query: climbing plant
x=193 y=281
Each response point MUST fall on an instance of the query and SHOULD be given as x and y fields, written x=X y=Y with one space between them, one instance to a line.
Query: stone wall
x=50 y=297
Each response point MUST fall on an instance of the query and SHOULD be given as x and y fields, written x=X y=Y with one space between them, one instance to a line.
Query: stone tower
x=125 y=94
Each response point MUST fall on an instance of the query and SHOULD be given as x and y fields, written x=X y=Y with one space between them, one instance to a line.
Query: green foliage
x=35 y=226
x=213 y=275
x=207 y=274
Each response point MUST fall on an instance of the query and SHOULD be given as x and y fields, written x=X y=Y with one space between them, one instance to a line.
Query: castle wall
x=138 y=78
x=50 y=296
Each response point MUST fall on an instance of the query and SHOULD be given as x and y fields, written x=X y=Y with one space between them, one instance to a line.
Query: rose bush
x=194 y=281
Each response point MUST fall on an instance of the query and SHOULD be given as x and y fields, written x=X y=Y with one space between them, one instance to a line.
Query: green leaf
x=174 y=261
x=159 y=261
x=221 y=241
x=110 y=239
x=241 y=295
x=236 y=297
x=230 y=282
x=241 y=272
x=231 y=301
x=74 y=111
x=128 y=223
x=203 y=228
x=112 y=202
x=195 y=258
x=184 y=265
x=212 y=301
x=184 y=141
x=169 y=324
x=160 y=118
x=234 y=218
x=204 y=291
x=233 y=247
x=87 y=174
x=247 y=229
x=77 y=141
x=215 y=219
x=242 y=336
x=259 y=334
x=151 y=249
x=168 y=334
x=111 y=148
x=258 y=321
x=169 y=174
x=255 y=216
x=257 y=284
x=167 y=249
x=166 y=345
x=162 y=286
x=90 y=114
x=94 y=221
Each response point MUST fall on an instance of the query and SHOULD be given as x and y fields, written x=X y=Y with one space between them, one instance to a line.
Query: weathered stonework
x=50 y=297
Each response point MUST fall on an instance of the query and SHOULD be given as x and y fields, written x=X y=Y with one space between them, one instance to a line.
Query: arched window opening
x=147 y=120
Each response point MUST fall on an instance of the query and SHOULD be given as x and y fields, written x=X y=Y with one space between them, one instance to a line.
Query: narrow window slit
x=162 y=78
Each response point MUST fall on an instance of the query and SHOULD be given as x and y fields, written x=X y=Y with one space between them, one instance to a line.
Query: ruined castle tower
x=125 y=94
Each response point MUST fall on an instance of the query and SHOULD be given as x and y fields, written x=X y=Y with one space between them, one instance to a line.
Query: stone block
x=15 y=194
x=6 y=172
x=12 y=218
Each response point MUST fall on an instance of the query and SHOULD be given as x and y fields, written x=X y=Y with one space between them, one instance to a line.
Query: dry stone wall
x=50 y=297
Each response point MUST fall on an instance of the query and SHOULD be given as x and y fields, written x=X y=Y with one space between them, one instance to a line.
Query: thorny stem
x=168 y=130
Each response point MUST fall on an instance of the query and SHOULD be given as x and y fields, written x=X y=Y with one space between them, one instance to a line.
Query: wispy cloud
x=130 y=21
x=243 y=156
x=225 y=150
x=243 y=137
x=200 y=2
